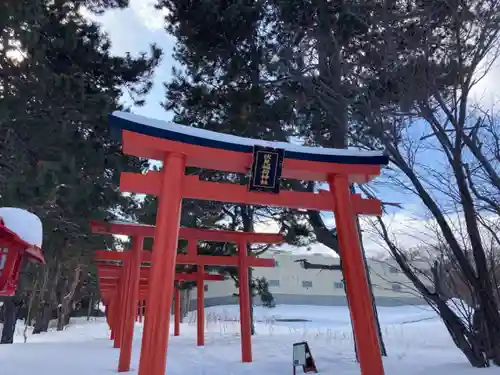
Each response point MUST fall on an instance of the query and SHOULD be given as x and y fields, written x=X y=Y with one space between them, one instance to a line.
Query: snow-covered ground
x=417 y=344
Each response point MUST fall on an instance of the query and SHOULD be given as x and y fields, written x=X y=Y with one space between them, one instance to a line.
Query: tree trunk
x=469 y=345
x=489 y=337
x=462 y=336
x=66 y=304
x=185 y=302
x=27 y=321
x=383 y=350
x=48 y=299
x=10 y=307
x=43 y=318
x=250 y=283
x=352 y=326
x=89 y=309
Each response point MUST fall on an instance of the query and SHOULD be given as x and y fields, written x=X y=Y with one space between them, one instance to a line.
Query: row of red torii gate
x=125 y=277
x=129 y=280
x=128 y=277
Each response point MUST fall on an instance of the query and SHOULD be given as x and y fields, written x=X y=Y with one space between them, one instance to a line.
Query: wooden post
x=162 y=276
x=200 y=305
x=125 y=298
x=120 y=297
x=112 y=317
x=177 y=311
x=244 y=291
x=130 y=312
x=362 y=314
x=110 y=312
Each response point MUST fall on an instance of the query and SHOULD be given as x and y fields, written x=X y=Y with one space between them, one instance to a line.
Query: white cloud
x=270 y=226
x=151 y=18
x=487 y=91
x=408 y=230
x=133 y=29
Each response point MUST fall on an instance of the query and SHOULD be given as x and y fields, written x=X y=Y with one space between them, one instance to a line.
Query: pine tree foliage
x=59 y=82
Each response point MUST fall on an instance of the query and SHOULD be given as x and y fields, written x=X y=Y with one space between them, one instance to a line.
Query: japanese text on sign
x=266 y=169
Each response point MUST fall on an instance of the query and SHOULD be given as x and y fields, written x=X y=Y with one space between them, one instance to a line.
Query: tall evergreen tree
x=60 y=160
x=235 y=83
x=226 y=55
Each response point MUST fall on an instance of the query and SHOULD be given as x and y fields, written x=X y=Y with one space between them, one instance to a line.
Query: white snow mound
x=23 y=223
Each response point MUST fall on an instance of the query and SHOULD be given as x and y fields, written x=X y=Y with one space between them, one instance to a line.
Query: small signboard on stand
x=302 y=356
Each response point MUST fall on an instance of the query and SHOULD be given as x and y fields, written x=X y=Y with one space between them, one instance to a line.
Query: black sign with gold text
x=266 y=169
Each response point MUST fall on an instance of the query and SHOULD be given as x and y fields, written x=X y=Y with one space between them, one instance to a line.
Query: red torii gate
x=109 y=286
x=14 y=249
x=180 y=146
x=109 y=282
x=132 y=269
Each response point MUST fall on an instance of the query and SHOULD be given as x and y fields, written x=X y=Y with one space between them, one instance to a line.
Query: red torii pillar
x=179 y=147
x=244 y=297
x=117 y=306
x=140 y=311
x=120 y=307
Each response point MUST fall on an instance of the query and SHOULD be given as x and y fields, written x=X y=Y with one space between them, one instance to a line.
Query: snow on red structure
x=179 y=146
x=13 y=250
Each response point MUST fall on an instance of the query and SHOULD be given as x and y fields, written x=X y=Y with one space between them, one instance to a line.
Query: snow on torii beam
x=180 y=146
x=149 y=138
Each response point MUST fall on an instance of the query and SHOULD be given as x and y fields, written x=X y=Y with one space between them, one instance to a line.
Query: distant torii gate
x=180 y=146
x=110 y=279
x=129 y=288
x=109 y=286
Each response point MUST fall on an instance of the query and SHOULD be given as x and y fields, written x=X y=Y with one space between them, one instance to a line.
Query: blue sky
x=134 y=29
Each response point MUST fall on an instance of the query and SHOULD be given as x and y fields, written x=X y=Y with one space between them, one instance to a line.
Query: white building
x=291 y=284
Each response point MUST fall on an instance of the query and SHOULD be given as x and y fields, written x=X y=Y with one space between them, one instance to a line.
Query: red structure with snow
x=20 y=240
x=179 y=147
